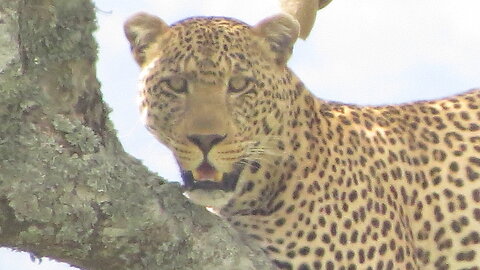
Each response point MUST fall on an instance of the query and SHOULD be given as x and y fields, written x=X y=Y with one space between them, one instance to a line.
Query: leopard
x=316 y=184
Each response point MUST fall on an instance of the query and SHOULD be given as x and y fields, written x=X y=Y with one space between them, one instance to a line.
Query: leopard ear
x=142 y=30
x=280 y=31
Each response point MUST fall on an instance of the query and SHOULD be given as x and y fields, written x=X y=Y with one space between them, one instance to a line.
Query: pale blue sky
x=360 y=51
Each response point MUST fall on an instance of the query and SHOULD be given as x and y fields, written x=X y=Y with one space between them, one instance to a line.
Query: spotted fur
x=319 y=185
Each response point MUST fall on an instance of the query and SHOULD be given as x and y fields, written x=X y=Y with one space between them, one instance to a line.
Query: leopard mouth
x=226 y=181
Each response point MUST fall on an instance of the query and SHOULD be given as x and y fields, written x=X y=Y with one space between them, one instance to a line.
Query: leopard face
x=200 y=96
x=319 y=185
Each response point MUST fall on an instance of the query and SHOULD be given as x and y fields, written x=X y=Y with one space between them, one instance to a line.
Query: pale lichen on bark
x=68 y=191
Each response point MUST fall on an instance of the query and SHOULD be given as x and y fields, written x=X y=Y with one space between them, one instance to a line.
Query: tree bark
x=68 y=191
x=305 y=12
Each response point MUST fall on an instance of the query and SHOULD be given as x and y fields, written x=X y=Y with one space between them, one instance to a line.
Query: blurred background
x=360 y=51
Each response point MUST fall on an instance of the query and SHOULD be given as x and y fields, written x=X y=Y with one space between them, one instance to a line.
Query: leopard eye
x=239 y=84
x=176 y=84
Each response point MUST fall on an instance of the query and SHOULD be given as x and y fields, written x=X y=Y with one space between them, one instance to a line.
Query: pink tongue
x=205 y=172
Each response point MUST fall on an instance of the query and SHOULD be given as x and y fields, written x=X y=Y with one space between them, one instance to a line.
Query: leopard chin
x=215 y=198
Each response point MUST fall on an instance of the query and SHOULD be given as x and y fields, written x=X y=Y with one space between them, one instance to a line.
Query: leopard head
x=210 y=90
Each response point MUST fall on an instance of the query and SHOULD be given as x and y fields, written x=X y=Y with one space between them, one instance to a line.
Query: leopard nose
x=206 y=142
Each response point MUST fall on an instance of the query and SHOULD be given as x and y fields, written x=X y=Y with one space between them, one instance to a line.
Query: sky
x=360 y=51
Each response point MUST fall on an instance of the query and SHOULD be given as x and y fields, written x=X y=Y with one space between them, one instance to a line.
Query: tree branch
x=304 y=11
x=68 y=191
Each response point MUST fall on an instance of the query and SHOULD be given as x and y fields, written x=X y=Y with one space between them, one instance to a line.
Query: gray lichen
x=67 y=189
